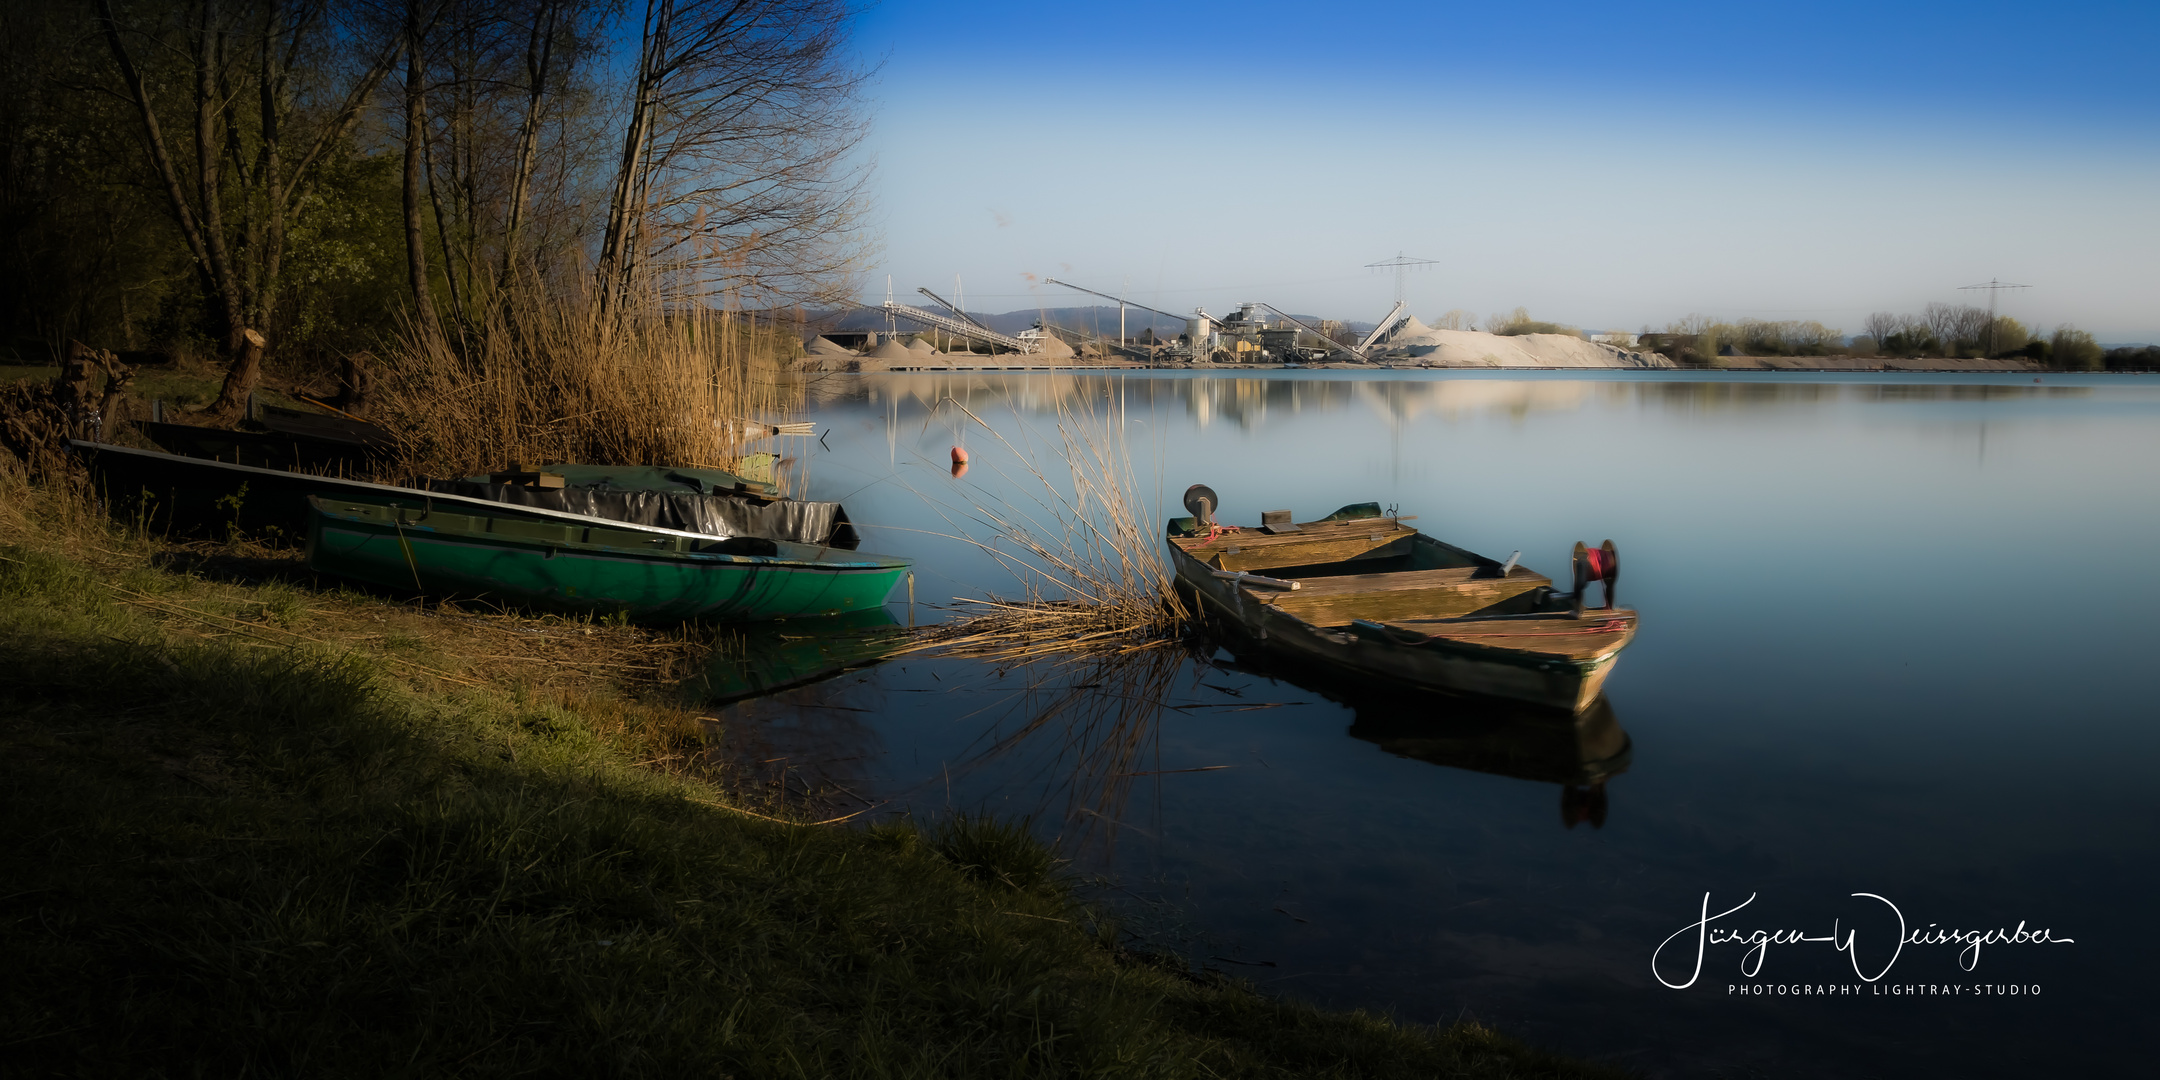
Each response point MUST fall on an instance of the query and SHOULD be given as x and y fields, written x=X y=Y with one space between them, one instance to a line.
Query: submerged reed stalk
x=549 y=376
x=1092 y=579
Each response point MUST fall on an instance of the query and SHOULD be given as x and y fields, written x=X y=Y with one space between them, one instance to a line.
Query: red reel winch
x=1600 y=563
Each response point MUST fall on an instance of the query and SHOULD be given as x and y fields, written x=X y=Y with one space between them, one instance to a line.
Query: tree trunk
x=623 y=209
x=415 y=148
x=353 y=386
x=538 y=51
x=241 y=377
x=210 y=175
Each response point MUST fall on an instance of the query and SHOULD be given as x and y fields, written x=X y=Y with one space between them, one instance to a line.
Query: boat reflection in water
x=1580 y=752
x=765 y=658
x=1062 y=741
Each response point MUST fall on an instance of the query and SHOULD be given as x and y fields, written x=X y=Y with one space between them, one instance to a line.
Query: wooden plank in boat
x=1596 y=633
x=1410 y=594
x=1313 y=545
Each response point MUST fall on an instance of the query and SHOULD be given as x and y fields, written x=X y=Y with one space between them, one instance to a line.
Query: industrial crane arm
x=1381 y=330
x=954 y=309
x=1118 y=299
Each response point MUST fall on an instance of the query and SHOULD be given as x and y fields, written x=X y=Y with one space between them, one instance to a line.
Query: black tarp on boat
x=690 y=500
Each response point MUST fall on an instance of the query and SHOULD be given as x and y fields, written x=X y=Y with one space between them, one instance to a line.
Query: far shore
x=1829 y=364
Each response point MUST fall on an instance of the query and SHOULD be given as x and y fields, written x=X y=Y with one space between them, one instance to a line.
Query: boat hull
x=591 y=568
x=1515 y=674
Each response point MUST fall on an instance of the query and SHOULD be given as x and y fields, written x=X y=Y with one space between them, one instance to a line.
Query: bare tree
x=1941 y=320
x=735 y=172
x=1881 y=325
x=270 y=102
x=1956 y=325
x=1971 y=326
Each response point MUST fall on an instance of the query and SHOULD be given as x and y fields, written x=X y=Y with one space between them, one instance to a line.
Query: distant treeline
x=329 y=172
x=1942 y=330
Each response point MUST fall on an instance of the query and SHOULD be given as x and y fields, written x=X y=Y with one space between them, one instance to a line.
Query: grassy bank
x=251 y=824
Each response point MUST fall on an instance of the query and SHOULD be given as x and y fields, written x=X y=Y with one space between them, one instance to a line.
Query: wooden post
x=353 y=385
x=242 y=376
x=118 y=376
x=71 y=390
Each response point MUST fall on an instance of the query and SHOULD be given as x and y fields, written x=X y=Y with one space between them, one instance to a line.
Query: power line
x=1401 y=265
x=1992 y=286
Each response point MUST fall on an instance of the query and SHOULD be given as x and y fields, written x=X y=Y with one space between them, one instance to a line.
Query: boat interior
x=1373 y=574
x=571 y=534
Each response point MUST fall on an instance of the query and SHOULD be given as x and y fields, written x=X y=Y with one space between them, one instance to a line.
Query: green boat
x=566 y=563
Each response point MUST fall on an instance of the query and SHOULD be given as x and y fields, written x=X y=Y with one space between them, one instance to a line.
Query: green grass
x=220 y=856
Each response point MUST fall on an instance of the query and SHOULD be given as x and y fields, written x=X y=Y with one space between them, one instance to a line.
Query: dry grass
x=1092 y=580
x=258 y=598
x=550 y=377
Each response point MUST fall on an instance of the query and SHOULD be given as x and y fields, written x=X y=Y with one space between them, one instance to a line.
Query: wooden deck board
x=1562 y=635
x=1410 y=594
x=1312 y=545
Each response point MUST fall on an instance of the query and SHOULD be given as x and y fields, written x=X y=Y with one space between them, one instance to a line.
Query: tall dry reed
x=548 y=376
x=1091 y=574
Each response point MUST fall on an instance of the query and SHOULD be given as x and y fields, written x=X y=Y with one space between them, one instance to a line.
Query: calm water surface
x=1896 y=640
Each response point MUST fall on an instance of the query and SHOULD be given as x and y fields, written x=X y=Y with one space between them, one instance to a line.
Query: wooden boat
x=568 y=562
x=280 y=439
x=1364 y=594
x=190 y=494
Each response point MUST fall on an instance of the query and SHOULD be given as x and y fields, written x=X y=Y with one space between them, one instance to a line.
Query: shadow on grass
x=223 y=859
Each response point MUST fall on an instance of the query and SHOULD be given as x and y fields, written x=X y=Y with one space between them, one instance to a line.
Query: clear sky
x=1606 y=165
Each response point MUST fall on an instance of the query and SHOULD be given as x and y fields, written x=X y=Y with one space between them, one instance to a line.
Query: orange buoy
x=959 y=455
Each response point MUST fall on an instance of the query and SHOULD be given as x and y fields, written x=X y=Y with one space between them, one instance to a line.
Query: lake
x=1893 y=669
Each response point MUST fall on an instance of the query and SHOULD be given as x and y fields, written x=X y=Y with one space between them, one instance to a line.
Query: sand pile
x=1474 y=348
x=922 y=347
x=891 y=350
x=825 y=346
x=1054 y=348
x=1411 y=329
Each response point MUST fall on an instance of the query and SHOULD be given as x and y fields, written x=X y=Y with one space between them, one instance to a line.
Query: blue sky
x=1603 y=165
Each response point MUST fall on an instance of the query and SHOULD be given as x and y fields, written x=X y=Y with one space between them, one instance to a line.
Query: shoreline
x=1738 y=364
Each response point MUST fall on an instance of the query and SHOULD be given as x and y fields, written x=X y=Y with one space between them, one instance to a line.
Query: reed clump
x=550 y=375
x=1084 y=554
